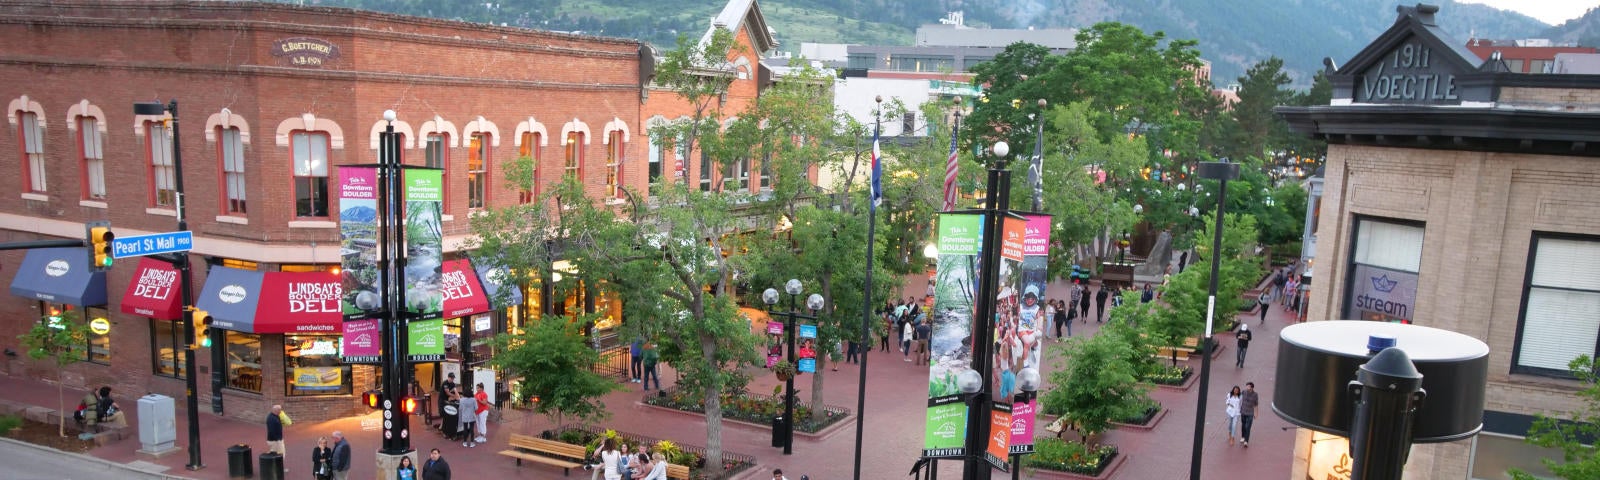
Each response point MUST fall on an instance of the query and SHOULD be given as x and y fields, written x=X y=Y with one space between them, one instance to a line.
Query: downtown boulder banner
x=358 y=241
x=1010 y=349
x=955 y=293
x=1033 y=324
x=424 y=238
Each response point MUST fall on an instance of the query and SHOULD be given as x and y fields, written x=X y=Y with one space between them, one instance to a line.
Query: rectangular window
x=94 y=164
x=32 y=136
x=766 y=172
x=1495 y=454
x=657 y=151
x=242 y=363
x=310 y=174
x=614 y=150
x=738 y=176
x=478 y=171
x=435 y=155
x=311 y=366
x=1560 y=306
x=163 y=178
x=705 y=171
x=99 y=344
x=166 y=348
x=573 y=167
x=908 y=123
x=1382 y=284
x=530 y=152
x=231 y=149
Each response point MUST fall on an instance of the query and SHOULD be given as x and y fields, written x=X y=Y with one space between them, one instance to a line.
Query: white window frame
x=163 y=175
x=92 y=147
x=31 y=136
x=310 y=163
x=230 y=150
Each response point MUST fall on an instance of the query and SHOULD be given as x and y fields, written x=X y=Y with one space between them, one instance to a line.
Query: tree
x=700 y=73
x=557 y=369
x=1186 y=294
x=1081 y=207
x=1578 y=461
x=1094 y=385
x=1262 y=88
x=63 y=339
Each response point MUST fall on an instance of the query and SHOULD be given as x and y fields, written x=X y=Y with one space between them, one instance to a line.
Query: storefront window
x=483 y=332
x=452 y=339
x=166 y=348
x=99 y=343
x=1383 y=271
x=244 y=361
x=312 y=366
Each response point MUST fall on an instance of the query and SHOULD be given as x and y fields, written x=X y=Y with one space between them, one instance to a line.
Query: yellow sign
x=1329 y=459
x=318 y=378
x=100 y=326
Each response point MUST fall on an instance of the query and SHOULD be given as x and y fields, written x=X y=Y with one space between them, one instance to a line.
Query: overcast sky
x=1553 y=12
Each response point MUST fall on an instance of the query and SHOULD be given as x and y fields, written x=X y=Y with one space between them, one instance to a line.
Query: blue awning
x=231 y=296
x=490 y=276
x=60 y=275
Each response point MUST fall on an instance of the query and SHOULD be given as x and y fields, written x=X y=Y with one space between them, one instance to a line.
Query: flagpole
x=863 y=347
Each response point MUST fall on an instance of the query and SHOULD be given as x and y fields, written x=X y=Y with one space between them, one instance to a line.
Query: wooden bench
x=1167 y=353
x=549 y=452
x=675 y=471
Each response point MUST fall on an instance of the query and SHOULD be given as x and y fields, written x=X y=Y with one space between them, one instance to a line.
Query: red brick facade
x=226 y=65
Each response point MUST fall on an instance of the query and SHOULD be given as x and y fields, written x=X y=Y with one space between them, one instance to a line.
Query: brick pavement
x=894 y=419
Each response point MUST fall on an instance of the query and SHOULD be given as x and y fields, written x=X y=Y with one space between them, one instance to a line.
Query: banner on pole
x=955 y=293
x=362 y=342
x=358 y=241
x=425 y=340
x=1011 y=346
x=1032 y=321
x=424 y=197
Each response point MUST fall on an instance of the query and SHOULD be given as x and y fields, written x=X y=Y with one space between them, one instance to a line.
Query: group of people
x=642 y=360
x=97 y=408
x=905 y=321
x=472 y=412
x=614 y=464
x=332 y=461
x=1241 y=411
x=1077 y=306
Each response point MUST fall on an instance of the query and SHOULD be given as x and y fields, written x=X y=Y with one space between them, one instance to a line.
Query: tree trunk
x=708 y=352
x=61 y=403
x=816 y=378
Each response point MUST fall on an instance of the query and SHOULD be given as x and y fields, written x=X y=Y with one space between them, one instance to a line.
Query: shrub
x=9 y=423
x=1063 y=456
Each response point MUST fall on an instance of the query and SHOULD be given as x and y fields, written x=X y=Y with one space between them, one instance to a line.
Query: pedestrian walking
x=435 y=468
x=341 y=457
x=405 y=471
x=322 y=460
x=1243 y=345
x=1279 y=280
x=1232 y=410
x=923 y=333
x=1264 y=302
x=907 y=333
x=482 y=412
x=1083 y=306
x=1183 y=261
x=1247 y=411
x=1291 y=293
x=651 y=357
x=851 y=353
x=1061 y=319
x=1100 y=302
x=275 y=423
x=1076 y=296
x=1148 y=295
x=468 y=409
x=635 y=364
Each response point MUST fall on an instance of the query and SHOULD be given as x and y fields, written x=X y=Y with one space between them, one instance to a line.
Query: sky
x=1553 y=12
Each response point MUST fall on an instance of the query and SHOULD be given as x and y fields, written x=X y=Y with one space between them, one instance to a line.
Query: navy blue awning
x=490 y=276
x=60 y=275
x=231 y=296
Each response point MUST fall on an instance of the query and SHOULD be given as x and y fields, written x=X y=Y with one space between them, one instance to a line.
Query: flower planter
x=1108 y=468
x=1149 y=423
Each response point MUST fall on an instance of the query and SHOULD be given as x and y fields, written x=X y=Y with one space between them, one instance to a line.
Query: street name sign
x=152 y=244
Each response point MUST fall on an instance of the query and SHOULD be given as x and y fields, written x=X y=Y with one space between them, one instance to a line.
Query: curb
x=823 y=434
x=92 y=459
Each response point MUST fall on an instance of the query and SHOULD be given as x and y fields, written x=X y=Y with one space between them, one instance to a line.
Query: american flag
x=877 y=171
x=950 y=164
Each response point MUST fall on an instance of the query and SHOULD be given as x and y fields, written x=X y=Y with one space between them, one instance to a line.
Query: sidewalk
x=896 y=402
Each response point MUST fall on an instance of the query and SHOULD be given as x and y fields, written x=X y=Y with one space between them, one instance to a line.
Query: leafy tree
x=1094 y=385
x=1009 y=95
x=698 y=72
x=1082 y=209
x=63 y=339
x=1262 y=88
x=1578 y=460
x=1187 y=292
x=557 y=368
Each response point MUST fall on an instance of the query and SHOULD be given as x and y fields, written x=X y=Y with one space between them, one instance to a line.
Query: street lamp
x=180 y=261
x=1028 y=383
x=1222 y=172
x=813 y=302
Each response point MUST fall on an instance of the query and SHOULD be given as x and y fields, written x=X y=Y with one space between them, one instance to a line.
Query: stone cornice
x=1451 y=128
x=290 y=72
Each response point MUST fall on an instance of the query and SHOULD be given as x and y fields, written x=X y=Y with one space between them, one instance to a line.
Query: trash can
x=780 y=431
x=239 y=462
x=271 y=466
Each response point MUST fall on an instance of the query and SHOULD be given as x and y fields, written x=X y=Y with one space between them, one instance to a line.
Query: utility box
x=158 y=428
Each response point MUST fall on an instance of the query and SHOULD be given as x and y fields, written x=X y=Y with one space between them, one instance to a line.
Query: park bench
x=675 y=471
x=1167 y=353
x=549 y=452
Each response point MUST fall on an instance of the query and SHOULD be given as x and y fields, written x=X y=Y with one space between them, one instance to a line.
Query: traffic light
x=373 y=399
x=408 y=405
x=201 y=320
x=99 y=238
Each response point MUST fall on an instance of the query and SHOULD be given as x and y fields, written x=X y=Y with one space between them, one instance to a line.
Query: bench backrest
x=677 y=471
x=551 y=446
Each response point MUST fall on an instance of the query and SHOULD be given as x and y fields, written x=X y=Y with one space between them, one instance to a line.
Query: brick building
x=1525 y=56
x=271 y=98
x=1460 y=194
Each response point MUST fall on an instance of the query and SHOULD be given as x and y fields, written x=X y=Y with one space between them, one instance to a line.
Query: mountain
x=1584 y=30
x=1233 y=34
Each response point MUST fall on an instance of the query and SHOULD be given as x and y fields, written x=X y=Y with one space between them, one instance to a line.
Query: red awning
x=463 y=294
x=299 y=302
x=154 y=291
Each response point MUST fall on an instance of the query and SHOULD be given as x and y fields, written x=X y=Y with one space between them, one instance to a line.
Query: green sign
x=424 y=235
x=425 y=340
x=960 y=234
x=955 y=287
x=946 y=434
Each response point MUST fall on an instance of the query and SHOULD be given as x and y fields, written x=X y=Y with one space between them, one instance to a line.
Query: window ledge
x=162 y=211
x=91 y=203
x=233 y=219
x=312 y=224
x=37 y=197
x=615 y=201
x=447 y=218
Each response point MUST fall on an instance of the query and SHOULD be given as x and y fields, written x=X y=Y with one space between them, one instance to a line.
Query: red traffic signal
x=373 y=399
x=408 y=405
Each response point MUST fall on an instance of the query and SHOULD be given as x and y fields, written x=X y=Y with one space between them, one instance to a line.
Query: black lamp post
x=391 y=251
x=1028 y=384
x=996 y=205
x=181 y=262
x=1222 y=172
x=813 y=302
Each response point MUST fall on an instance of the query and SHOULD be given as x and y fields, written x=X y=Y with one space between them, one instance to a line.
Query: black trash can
x=780 y=431
x=239 y=462
x=271 y=466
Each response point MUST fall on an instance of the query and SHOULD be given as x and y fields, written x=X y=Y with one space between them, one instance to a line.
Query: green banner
x=424 y=197
x=425 y=340
x=955 y=291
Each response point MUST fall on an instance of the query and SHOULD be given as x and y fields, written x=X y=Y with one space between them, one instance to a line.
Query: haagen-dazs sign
x=305 y=51
x=57 y=268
